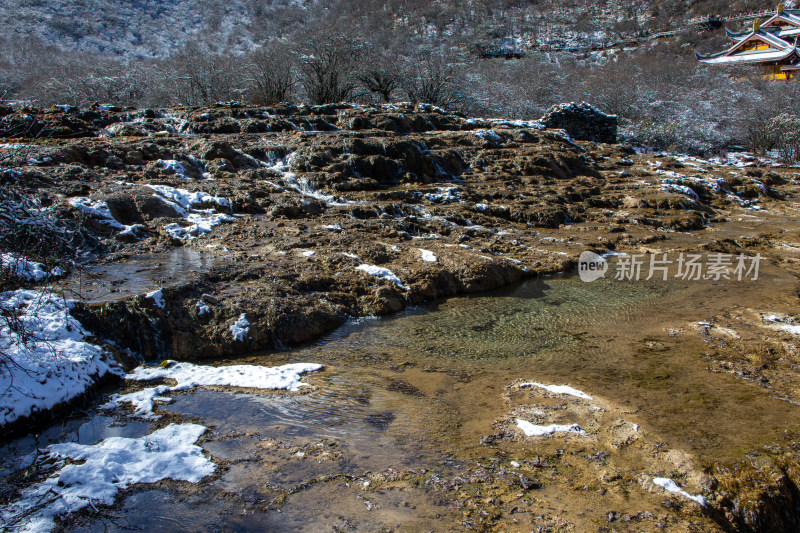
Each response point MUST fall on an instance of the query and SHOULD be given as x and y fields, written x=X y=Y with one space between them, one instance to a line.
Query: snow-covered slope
x=156 y=28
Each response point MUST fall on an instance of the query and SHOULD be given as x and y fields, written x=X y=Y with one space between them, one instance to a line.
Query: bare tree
x=9 y=85
x=435 y=81
x=381 y=73
x=272 y=69
x=204 y=77
x=78 y=83
x=381 y=82
x=328 y=68
x=780 y=133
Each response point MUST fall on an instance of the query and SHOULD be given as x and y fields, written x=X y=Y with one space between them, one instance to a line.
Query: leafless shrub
x=381 y=71
x=663 y=136
x=433 y=80
x=30 y=226
x=328 y=68
x=80 y=84
x=761 y=137
x=522 y=88
x=33 y=231
x=674 y=136
x=615 y=87
x=788 y=145
x=203 y=78
x=13 y=155
x=380 y=80
x=780 y=133
x=652 y=86
x=271 y=67
x=9 y=85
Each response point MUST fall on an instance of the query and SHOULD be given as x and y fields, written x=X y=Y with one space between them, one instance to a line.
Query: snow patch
x=112 y=465
x=670 y=486
x=198 y=208
x=240 y=328
x=516 y=124
x=428 y=256
x=174 y=166
x=157 y=297
x=428 y=237
x=100 y=212
x=189 y=376
x=558 y=389
x=27 y=270
x=303 y=185
x=443 y=195
x=532 y=430
x=51 y=361
x=488 y=136
x=783 y=322
x=199 y=225
x=189 y=200
x=383 y=273
x=682 y=189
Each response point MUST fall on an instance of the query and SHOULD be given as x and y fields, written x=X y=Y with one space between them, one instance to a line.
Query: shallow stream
x=415 y=393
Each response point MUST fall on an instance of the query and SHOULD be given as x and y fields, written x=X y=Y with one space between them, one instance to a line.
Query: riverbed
x=412 y=410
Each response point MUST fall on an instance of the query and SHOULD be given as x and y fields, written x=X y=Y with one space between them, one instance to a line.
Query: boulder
x=582 y=121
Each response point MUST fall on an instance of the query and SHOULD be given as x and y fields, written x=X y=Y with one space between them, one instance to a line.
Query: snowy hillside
x=155 y=28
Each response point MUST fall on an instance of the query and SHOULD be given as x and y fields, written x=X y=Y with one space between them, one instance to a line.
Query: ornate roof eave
x=791 y=16
x=703 y=58
x=764 y=57
x=792 y=32
x=737 y=35
x=772 y=39
x=765 y=36
x=786 y=16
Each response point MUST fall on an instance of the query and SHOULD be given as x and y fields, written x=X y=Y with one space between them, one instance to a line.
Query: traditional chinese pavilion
x=771 y=45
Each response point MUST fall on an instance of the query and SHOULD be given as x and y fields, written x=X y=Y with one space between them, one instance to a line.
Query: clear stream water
x=419 y=389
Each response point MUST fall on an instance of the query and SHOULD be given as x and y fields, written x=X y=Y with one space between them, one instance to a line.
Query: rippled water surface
x=532 y=321
x=630 y=342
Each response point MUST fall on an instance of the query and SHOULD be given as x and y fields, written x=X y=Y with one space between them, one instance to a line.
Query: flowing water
x=415 y=393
